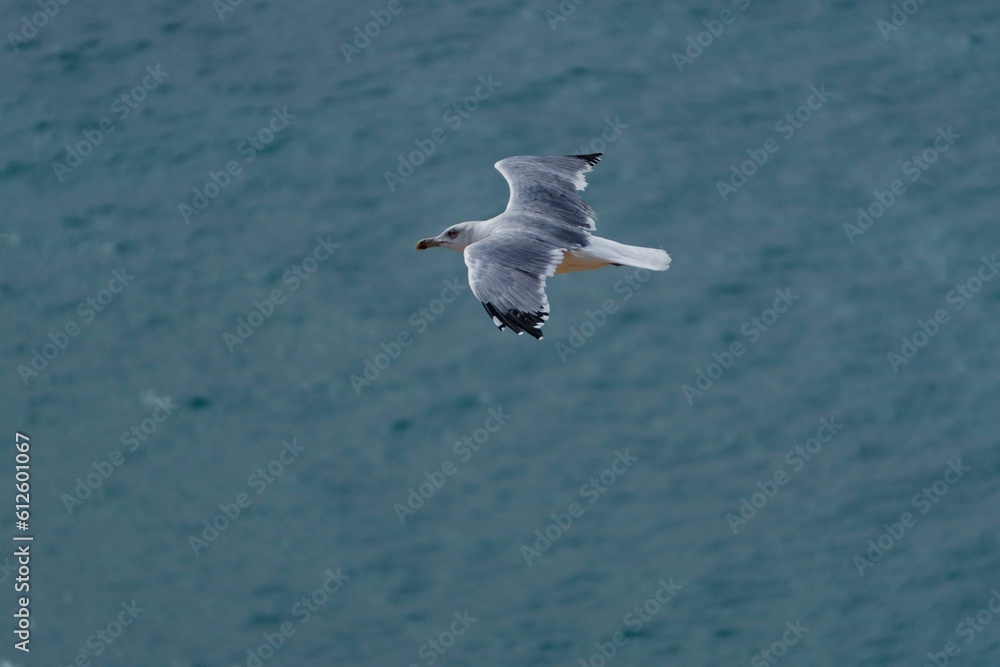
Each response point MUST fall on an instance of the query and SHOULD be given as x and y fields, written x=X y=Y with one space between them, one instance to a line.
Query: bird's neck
x=477 y=231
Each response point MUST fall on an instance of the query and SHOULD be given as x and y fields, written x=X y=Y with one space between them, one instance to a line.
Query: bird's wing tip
x=590 y=158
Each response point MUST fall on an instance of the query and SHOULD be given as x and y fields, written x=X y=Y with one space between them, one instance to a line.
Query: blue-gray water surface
x=265 y=431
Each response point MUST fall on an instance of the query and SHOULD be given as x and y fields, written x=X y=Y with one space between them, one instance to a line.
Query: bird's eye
x=452 y=233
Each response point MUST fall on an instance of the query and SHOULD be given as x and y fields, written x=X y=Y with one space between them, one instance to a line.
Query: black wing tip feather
x=591 y=158
x=518 y=321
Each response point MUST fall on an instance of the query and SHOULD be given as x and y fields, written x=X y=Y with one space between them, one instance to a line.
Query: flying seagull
x=546 y=229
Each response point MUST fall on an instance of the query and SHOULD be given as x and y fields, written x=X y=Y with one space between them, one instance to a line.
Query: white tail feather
x=629 y=255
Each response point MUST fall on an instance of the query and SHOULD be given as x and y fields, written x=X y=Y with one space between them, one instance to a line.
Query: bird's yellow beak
x=424 y=244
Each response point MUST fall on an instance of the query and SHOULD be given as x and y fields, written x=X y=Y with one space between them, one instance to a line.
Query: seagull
x=546 y=229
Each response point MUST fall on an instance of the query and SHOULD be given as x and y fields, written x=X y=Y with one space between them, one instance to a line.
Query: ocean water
x=783 y=450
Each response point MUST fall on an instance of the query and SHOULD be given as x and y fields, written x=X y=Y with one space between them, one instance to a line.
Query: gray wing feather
x=547 y=186
x=507 y=273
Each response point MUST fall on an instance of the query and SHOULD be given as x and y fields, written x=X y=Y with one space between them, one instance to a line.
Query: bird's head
x=456 y=237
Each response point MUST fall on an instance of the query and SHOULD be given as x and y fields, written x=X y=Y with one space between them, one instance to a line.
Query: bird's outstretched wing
x=507 y=273
x=547 y=186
